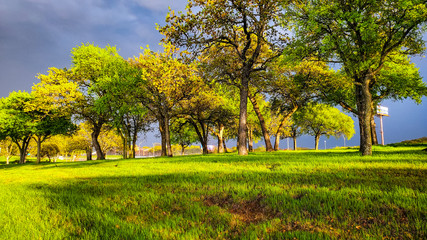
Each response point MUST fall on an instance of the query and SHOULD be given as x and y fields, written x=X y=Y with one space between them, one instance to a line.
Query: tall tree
x=163 y=83
x=359 y=35
x=245 y=28
x=92 y=68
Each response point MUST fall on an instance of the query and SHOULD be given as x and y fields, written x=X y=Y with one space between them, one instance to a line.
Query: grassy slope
x=307 y=195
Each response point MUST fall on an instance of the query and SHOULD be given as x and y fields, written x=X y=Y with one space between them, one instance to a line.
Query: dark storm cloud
x=38 y=34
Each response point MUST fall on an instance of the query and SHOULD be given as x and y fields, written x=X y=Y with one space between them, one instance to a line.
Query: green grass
x=282 y=195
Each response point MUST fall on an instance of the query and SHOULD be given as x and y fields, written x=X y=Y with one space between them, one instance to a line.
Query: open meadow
x=280 y=195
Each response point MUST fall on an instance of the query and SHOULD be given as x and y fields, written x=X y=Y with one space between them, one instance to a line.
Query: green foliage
x=7 y=148
x=96 y=70
x=183 y=133
x=163 y=83
x=333 y=194
x=361 y=36
x=16 y=122
x=321 y=119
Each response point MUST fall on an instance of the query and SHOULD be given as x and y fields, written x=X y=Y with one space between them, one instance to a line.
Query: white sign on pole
x=381 y=110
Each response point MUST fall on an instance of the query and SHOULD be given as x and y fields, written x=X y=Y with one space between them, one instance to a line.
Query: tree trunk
x=39 y=146
x=125 y=152
x=225 y=146
x=282 y=125
x=182 y=150
x=250 y=140
x=162 y=136
x=268 y=146
x=316 y=141
x=95 y=134
x=165 y=135
x=168 y=140
x=221 y=138
x=23 y=149
x=295 y=142
x=374 y=131
x=277 y=141
x=134 y=139
x=89 y=154
x=202 y=134
x=242 y=133
x=364 y=103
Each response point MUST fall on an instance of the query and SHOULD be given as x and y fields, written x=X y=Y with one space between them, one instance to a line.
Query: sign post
x=382 y=111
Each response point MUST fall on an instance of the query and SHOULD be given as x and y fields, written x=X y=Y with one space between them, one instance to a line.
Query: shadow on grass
x=171 y=206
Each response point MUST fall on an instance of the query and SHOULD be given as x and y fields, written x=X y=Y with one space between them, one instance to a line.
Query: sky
x=38 y=34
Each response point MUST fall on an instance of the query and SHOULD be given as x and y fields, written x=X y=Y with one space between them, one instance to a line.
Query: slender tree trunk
x=202 y=134
x=89 y=154
x=364 y=107
x=282 y=125
x=250 y=140
x=135 y=135
x=221 y=138
x=316 y=141
x=225 y=146
x=242 y=133
x=295 y=142
x=182 y=149
x=125 y=153
x=268 y=146
x=163 y=136
x=39 y=146
x=168 y=140
x=95 y=134
x=277 y=141
x=374 y=131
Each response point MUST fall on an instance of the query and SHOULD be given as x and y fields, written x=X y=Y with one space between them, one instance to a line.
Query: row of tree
x=108 y=93
x=274 y=55
x=369 y=40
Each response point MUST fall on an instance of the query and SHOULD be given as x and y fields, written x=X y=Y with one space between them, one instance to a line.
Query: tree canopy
x=359 y=35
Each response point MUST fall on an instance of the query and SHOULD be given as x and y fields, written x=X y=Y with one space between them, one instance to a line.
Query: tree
x=92 y=68
x=359 y=35
x=245 y=28
x=52 y=103
x=49 y=126
x=321 y=119
x=80 y=141
x=183 y=134
x=16 y=122
x=110 y=140
x=399 y=79
x=163 y=83
x=7 y=148
x=226 y=113
x=292 y=86
x=49 y=150
x=279 y=127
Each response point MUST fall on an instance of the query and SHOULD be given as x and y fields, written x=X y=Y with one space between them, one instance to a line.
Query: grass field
x=281 y=195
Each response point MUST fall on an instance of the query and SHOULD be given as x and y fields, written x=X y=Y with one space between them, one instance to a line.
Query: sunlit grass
x=303 y=194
